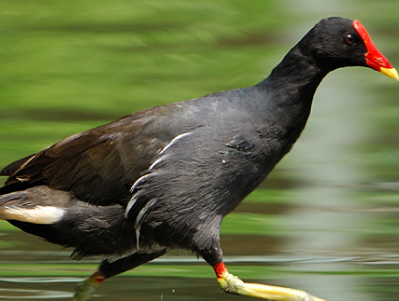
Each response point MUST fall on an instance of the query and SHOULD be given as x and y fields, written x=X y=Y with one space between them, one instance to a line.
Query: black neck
x=298 y=76
x=290 y=89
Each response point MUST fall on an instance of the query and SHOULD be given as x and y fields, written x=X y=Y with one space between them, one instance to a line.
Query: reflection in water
x=21 y=294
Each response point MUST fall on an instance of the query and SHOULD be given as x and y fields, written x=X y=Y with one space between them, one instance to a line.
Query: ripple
x=40 y=279
x=32 y=294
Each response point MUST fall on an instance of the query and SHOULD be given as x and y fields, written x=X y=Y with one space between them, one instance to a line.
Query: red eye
x=350 y=40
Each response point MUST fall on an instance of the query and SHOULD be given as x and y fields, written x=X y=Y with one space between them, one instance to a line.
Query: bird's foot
x=234 y=285
x=87 y=288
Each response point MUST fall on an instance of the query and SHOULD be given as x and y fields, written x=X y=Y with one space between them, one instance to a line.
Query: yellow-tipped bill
x=374 y=58
x=390 y=72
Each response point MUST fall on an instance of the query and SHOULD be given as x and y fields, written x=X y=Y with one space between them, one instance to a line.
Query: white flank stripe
x=142 y=178
x=138 y=181
x=173 y=141
x=157 y=161
x=131 y=203
x=140 y=218
x=39 y=215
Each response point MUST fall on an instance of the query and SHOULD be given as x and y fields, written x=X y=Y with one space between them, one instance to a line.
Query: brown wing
x=14 y=166
x=99 y=166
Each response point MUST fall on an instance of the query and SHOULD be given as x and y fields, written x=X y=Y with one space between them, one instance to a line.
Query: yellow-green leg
x=107 y=269
x=87 y=288
x=234 y=285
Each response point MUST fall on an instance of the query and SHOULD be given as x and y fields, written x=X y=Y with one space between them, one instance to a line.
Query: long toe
x=234 y=285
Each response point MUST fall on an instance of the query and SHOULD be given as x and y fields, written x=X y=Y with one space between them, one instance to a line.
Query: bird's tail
x=60 y=218
x=24 y=206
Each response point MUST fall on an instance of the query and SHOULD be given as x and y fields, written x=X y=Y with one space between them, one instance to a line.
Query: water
x=325 y=221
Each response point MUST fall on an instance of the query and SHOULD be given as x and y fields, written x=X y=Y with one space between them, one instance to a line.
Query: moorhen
x=165 y=177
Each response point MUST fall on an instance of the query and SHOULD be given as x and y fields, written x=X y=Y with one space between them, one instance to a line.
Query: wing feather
x=99 y=166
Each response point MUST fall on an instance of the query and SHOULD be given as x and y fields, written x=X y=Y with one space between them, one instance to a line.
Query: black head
x=337 y=42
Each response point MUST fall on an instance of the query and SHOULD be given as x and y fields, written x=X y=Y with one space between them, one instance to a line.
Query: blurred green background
x=325 y=221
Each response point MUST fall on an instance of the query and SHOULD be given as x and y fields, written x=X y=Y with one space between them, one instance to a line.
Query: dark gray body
x=229 y=143
x=165 y=177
